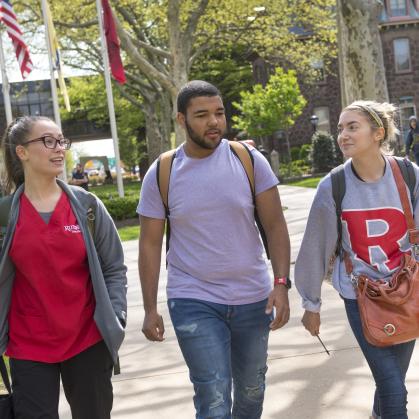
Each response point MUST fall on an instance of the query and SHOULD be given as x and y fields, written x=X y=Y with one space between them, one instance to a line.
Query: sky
x=93 y=148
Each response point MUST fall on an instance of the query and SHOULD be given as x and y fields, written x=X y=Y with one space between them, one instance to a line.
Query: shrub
x=294 y=169
x=295 y=153
x=305 y=151
x=323 y=152
x=121 y=208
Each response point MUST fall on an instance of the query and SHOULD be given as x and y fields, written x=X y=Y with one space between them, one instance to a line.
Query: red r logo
x=376 y=235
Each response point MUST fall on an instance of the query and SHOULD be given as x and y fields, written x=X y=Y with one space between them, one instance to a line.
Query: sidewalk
x=303 y=382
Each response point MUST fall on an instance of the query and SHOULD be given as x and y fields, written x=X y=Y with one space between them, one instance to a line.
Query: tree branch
x=144 y=65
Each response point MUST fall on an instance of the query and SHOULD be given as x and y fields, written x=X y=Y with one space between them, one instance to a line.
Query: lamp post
x=314 y=119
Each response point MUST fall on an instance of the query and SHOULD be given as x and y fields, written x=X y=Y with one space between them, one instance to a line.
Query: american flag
x=8 y=17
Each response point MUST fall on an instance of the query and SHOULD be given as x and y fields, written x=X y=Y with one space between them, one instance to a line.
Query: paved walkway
x=303 y=382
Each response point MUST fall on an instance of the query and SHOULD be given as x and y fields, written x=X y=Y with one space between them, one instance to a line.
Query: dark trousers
x=86 y=381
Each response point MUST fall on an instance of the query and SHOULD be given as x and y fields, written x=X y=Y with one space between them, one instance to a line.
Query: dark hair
x=194 y=88
x=15 y=134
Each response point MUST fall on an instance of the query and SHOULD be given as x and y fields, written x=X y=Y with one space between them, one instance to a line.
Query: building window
x=398 y=8
x=402 y=55
x=323 y=114
x=407 y=109
x=318 y=66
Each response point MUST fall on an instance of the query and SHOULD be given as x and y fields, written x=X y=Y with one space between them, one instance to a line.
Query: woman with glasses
x=62 y=282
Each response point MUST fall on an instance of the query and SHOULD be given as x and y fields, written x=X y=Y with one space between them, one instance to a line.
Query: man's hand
x=278 y=298
x=153 y=327
x=311 y=322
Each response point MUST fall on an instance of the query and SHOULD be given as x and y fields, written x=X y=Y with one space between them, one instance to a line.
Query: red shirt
x=52 y=306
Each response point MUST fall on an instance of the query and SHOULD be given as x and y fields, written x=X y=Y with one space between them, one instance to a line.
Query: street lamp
x=314 y=119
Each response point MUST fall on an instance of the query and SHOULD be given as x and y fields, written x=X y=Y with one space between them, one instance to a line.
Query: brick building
x=399 y=24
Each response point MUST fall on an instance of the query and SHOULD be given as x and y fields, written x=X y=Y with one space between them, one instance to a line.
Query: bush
x=323 y=152
x=295 y=153
x=121 y=208
x=305 y=151
x=294 y=169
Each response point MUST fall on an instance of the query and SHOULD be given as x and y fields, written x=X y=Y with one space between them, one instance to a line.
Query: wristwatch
x=283 y=281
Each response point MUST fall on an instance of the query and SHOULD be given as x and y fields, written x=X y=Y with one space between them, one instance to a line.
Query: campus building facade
x=399 y=26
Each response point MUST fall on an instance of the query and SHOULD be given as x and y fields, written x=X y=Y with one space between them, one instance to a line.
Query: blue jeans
x=388 y=366
x=222 y=344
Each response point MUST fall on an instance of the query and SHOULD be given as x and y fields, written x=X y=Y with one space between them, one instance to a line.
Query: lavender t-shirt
x=215 y=251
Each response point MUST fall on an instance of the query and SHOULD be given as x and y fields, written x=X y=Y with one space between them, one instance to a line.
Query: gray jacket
x=106 y=265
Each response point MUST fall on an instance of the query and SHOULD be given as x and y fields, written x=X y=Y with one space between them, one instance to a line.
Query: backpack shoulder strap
x=5 y=205
x=164 y=168
x=243 y=153
x=337 y=176
x=409 y=176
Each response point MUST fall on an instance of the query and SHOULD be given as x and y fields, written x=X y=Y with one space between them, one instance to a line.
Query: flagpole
x=5 y=81
x=109 y=95
x=54 y=92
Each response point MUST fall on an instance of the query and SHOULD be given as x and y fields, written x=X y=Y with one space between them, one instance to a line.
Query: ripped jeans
x=223 y=344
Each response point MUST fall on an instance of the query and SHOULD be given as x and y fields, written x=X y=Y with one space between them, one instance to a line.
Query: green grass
x=129 y=233
x=130 y=188
x=307 y=183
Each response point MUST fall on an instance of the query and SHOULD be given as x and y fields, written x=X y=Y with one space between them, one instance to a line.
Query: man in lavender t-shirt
x=220 y=296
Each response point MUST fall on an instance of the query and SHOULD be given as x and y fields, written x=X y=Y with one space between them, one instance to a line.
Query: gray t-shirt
x=215 y=251
x=374 y=233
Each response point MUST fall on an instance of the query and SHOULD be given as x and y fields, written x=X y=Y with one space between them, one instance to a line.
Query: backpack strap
x=5 y=206
x=337 y=176
x=164 y=168
x=244 y=154
x=409 y=176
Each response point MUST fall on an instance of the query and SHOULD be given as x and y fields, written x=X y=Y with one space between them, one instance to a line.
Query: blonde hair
x=380 y=115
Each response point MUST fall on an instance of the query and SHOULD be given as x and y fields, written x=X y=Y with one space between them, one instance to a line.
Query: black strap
x=5 y=375
x=252 y=189
x=338 y=192
x=409 y=176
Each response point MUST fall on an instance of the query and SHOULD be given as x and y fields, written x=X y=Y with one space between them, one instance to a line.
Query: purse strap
x=401 y=187
x=5 y=375
x=411 y=227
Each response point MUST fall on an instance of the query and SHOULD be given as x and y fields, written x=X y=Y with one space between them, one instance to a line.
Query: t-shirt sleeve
x=151 y=204
x=264 y=176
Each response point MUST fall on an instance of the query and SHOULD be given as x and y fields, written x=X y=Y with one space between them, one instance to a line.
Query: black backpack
x=241 y=151
x=339 y=189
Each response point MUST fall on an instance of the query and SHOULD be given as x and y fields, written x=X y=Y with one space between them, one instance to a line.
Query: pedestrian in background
x=412 y=140
x=79 y=177
x=62 y=290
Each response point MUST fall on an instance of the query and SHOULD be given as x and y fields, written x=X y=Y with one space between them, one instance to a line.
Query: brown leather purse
x=390 y=310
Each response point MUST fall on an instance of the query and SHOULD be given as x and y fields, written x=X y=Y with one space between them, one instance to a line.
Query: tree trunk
x=155 y=136
x=361 y=63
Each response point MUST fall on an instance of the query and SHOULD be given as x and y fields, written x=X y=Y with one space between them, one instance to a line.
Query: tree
x=271 y=108
x=164 y=39
x=88 y=98
x=361 y=63
x=323 y=152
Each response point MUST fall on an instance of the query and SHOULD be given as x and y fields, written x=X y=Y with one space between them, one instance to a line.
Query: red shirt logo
x=377 y=236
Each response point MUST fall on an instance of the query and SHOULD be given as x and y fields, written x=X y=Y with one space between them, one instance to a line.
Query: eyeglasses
x=51 y=142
